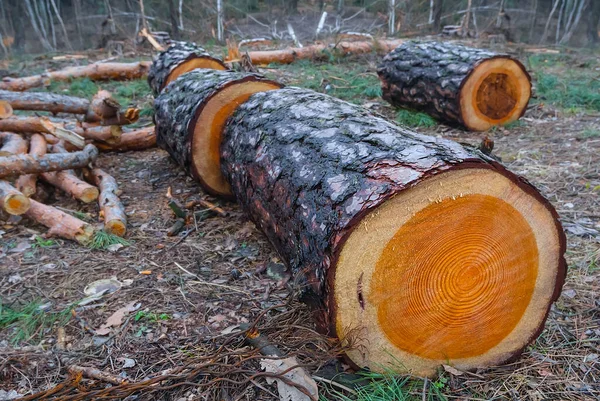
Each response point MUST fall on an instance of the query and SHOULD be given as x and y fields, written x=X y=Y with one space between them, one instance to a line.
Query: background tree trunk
x=593 y=20
x=438 y=6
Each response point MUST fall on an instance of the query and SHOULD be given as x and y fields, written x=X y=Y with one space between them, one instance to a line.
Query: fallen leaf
x=127 y=362
x=116 y=318
x=21 y=247
x=297 y=375
x=106 y=286
x=452 y=370
x=114 y=247
x=570 y=293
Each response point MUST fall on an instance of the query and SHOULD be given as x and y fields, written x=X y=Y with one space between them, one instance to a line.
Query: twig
x=333 y=383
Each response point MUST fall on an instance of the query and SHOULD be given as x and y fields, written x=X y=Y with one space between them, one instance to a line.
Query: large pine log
x=413 y=249
x=95 y=72
x=470 y=87
x=178 y=59
x=189 y=120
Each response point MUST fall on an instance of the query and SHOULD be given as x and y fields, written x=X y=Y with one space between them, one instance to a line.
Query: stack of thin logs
x=51 y=149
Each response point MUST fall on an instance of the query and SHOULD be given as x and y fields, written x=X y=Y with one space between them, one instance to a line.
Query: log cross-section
x=413 y=250
x=179 y=58
x=470 y=87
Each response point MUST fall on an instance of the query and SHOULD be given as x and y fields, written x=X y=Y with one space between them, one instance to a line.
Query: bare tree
x=593 y=20
x=173 y=18
x=438 y=6
x=220 y=20
x=391 y=17
x=62 y=24
x=34 y=24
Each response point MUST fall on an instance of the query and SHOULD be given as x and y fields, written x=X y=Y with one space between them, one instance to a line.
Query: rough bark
x=28 y=164
x=95 y=72
x=102 y=106
x=167 y=61
x=26 y=183
x=60 y=223
x=12 y=201
x=430 y=77
x=176 y=111
x=12 y=144
x=115 y=220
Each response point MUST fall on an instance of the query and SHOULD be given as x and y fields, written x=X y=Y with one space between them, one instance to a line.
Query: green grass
x=389 y=387
x=30 y=321
x=590 y=133
x=565 y=83
x=347 y=81
x=151 y=317
x=43 y=243
x=411 y=118
x=102 y=240
x=136 y=92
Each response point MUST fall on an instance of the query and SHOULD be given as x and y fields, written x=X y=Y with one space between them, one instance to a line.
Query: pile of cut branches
x=61 y=152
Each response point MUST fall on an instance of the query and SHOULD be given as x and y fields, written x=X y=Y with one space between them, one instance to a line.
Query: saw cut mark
x=451 y=272
x=194 y=64
x=206 y=141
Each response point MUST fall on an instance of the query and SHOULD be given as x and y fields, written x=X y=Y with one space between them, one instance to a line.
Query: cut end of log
x=6 y=109
x=89 y=194
x=192 y=64
x=208 y=128
x=16 y=204
x=495 y=93
x=115 y=227
x=459 y=270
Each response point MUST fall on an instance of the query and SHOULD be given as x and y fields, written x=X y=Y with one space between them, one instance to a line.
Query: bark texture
x=429 y=76
x=42 y=101
x=306 y=167
x=115 y=220
x=60 y=223
x=167 y=61
x=143 y=138
x=176 y=109
x=69 y=183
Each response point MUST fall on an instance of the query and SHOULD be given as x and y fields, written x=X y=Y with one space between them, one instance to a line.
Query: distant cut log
x=140 y=139
x=12 y=201
x=409 y=247
x=60 y=223
x=315 y=52
x=473 y=88
x=28 y=164
x=6 y=109
x=115 y=220
x=69 y=183
x=178 y=59
x=12 y=144
x=95 y=72
x=102 y=108
x=193 y=138
x=26 y=183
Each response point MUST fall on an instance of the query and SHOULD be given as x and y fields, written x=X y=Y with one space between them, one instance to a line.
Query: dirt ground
x=188 y=294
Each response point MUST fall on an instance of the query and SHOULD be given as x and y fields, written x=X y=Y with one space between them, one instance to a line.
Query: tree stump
x=413 y=250
x=473 y=88
x=178 y=59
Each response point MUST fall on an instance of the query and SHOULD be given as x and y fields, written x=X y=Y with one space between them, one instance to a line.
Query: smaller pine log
x=191 y=114
x=26 y=183
x=28 y=164
x=115 y=220
x=41 y=125
x=42 y=101
x=318 y=51
x=473 y=88
x=6 y=109
x=143 y=138
x=12 y=201
x=60 y=223
x=102 y=106
x=123 y=117
x=12 y=144
x=95 y=72
x=179 y=58
x=69 y=183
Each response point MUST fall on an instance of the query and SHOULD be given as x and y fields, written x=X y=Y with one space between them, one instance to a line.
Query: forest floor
x=182 y=298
